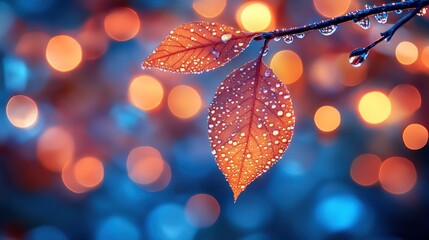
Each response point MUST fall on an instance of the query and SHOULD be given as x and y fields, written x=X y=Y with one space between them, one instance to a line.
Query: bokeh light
x=63 y=53
x=209 y=8
x=374 y=107
x=184 y=101
x=397 y=175
x=202 y=210
x=55 y=147
x=327 y=118
x=122 y=24
x=162 y=182
x=406 y=53
x=117 y=228
x=32 y=45
x=339 y=212
x=425 y=56
x=168 y=222
x=350 y=76
x=22 y=111
x=325 y=74
x=145 y=92
x=46 y=232
x=405 y=99
x=415 y=136
x=331 y=8
x=287 y=65
x=69 y=178
x=89 y=171
x=364 y=169
x=145 y=165
x=254 y=16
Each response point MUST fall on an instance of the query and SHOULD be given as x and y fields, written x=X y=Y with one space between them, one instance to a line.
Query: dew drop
x=288 y=39
x=259 y=125
x=277 y=39
x=242 y=134
x=182 y=69
x=381 y=17
x=248 y=155
x=215 y=53
x=300 y=35
x=192 y=30
x=266 y=50
x=398 y=11
x=226 y=37
x=358 y=56
x=267 y=72
x=329 y=30
x=280 y=113
x=276 y=132
x=364 y=23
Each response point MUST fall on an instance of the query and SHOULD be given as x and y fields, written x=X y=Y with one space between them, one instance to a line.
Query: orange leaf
x=198 y=46
x=251 y=122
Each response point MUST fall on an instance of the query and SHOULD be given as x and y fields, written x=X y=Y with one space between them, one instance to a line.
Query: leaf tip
x=236 y=191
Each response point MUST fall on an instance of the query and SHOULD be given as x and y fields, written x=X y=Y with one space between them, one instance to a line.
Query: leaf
x=251 y=122
x=198 y=46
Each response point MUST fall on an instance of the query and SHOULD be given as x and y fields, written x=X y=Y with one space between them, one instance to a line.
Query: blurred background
x=94 y=147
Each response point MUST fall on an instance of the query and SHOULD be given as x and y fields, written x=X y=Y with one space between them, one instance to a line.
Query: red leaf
x=198 y=46
x=251 y=122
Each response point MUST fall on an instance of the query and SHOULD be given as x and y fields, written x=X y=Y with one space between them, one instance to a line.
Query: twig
x=416 y=5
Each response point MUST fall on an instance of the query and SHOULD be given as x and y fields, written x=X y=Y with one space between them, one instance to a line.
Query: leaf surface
x=198 y=46
x=251 y=122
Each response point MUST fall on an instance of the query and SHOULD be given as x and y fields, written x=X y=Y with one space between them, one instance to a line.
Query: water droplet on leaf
x=381 y=17
x=358 y=56
x=277 y=39
x=288 y=39
x=226 y=37
x=215 y=53
x=267 y=72
x=329 y=30
x=398 y=11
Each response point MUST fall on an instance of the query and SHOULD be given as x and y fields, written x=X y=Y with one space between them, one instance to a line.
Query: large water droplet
x=277 y=39
x=364 y=23
x=358 y=56
x=280 y=113
x=381 y=17
x=329 y=30
x=215 y=53
x=300 y=35
x=267 y=72
x=288 y=39
x=226 y=37
x=276 y=132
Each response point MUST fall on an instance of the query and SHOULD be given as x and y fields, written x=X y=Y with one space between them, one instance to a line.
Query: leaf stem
x=416 y=5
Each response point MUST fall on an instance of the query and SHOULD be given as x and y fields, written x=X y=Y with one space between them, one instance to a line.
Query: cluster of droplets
x=251 y=122
x=329 y=30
